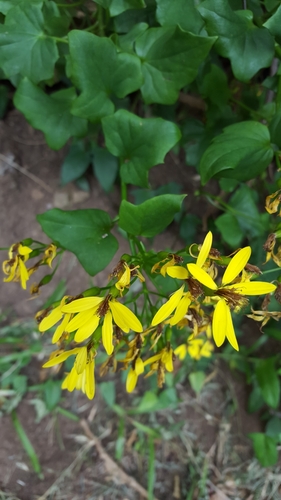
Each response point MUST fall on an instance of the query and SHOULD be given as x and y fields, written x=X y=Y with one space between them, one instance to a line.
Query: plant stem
x=100 y=21
x=242 y=105
x=59 y=40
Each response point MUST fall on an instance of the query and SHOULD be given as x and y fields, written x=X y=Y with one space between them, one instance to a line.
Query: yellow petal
x=70 y=381
x=181 y=351
x=107 y=331
x=205 y=249
x=23 y=250
x=253 y=287
x=81 y=360
x=219 y=323
x=181 y=310
x=230 y=333
x=50 y=320
x=177 y=272
x=131 y=381
x=167 y=359
x=124 y=317
x=151 y=360
x=236 y=265
x=207 y=349
x=139 y=367
x=168 y=307
x=125 y=279
x=56 y=360
x=87 y=329
x=83 y=304
x=90 y=379
x=79 y=320
x=23 y=274
x=202 y=276
x=60 y=329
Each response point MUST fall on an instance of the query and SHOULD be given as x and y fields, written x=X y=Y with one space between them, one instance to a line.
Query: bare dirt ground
x=213 y=434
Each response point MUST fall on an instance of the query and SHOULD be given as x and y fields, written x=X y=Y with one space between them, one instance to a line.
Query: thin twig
x=24 y=171
x=112 y=468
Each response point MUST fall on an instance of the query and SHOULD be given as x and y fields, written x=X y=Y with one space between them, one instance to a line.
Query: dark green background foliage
x=114 y=77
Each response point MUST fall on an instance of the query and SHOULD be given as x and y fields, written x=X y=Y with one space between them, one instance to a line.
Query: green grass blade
x=27 y=444
x=151 y=468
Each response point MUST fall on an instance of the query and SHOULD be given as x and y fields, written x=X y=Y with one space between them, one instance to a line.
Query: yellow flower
x=81 y=376
x=47 y=321
x=168 y=308
x=160 y=362
x=50 y=253
x=15 y=268
x=272 y=202
x=83 y=380
x=133 y=374
x=181 y=273
x=197 y=348
x=170 y=261
x=229 y=294
x=91 y=309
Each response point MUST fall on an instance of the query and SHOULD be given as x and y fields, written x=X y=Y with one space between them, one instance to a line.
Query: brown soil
x=207 y=422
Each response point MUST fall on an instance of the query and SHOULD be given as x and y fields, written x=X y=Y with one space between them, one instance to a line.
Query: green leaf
x=107 y=390
x=275 y=128
x=50 y=114
x=75 y=163
x=196 y=138
x=127 y=42
x=6 y=5
x=271 y=4
x=215 y=86
x=264 y=448
x=268 y=381
x=52 y=393
x=116 y=7
x=230 y=230
x=4 y=100
x=242 y=152
x=86 y=233
x=25 y=48
x=138 y=143
x=197 y=380
x=127 y=20
x=273 y=24
x=148 y=403
x=105 y=167
x=249 y=48
x=273 y=429
x=180 y=13
x=170 y=60
x=99 y=71
x=151 y=217
x=255 y=401
x=244 y=207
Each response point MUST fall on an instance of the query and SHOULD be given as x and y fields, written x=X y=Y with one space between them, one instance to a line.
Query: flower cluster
x=15 y=268
x=196 y=314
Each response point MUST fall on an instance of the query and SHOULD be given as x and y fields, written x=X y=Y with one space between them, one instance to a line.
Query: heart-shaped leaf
x=86 y=233
x=51 y=114
x=139 y=143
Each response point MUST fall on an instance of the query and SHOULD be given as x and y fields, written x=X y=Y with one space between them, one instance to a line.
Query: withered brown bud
x=104 y=306
x=265 y=302
x=194 y=287
x=277 y=293
x=214 y=253
x=270 y=242
x=253 y=269
x=118 y=269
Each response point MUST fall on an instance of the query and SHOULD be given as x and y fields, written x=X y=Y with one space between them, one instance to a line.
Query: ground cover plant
x=124 y=83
